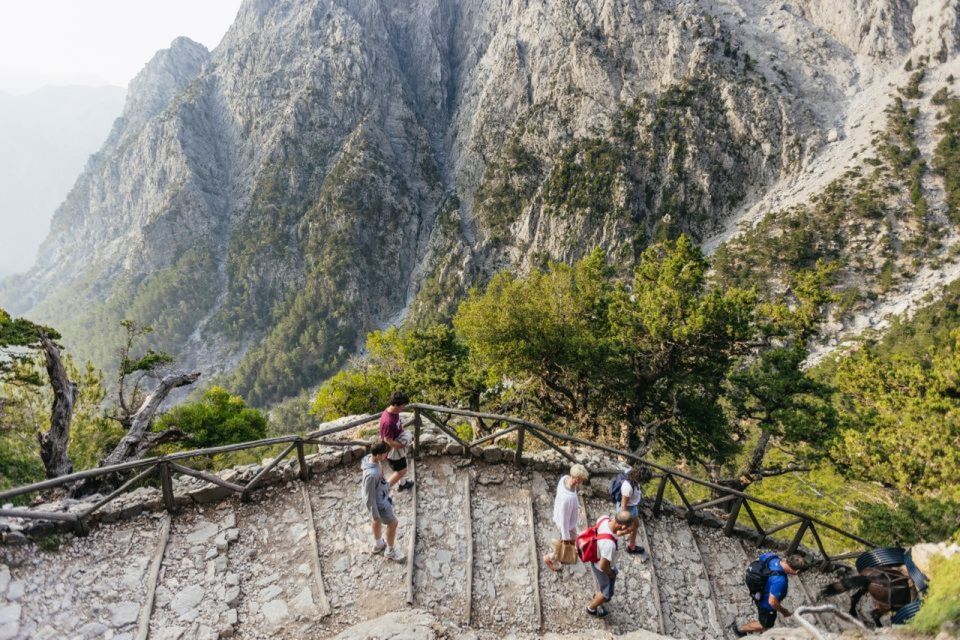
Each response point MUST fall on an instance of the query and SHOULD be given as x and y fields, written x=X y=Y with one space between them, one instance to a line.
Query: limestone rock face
x=334 y=166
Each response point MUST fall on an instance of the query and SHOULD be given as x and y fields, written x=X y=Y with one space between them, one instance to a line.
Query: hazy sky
x=96 y=42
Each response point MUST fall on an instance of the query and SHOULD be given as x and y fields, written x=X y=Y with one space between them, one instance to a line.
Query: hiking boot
x=599 y=612
x=636 y=550
x=380 y=546
x=394 y=554
x=736 y=630
x=406 y=484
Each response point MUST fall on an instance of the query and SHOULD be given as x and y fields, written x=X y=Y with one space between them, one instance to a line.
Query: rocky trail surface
x=296 y=561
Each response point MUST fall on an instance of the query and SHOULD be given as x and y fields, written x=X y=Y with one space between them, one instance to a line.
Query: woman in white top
x=631 y=493
x=566 y=510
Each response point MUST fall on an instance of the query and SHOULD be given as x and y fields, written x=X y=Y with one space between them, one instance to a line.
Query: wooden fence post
x=799 y=537
x=732 y=517
x=302 y=461
x=417 y=424
x=166 y=485
x=518 y=455
x=659 y=499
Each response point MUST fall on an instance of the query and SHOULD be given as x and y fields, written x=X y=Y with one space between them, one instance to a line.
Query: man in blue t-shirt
x=775 y=587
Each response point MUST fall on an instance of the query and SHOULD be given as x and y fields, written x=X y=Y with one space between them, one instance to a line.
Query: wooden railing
x=737 y=502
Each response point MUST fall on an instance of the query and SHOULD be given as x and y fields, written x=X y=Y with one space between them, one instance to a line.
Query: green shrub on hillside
x=941 y=606
x=218 y=418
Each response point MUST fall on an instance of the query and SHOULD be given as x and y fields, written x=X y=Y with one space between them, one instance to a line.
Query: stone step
x=83 y=588
x=272 y=586
x=726 y=563
x=360 y=584
x=503 y=575
x=440 y=564
x=193 y=590
x=686 y=596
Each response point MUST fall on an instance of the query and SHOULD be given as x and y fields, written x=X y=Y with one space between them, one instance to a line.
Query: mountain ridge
x=332 y=167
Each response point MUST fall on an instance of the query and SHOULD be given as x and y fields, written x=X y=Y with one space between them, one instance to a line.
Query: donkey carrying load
x=892 y=579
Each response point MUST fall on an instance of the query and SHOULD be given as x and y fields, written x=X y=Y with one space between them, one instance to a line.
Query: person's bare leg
x=397 y=476
x=391 y=533
x=377 y=531
x=752 y=627
x=633 y=538
x=597 y=601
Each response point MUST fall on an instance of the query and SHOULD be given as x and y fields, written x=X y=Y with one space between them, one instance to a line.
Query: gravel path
x=360 y=584
x=193 y=589
x=726 y=562
x=440 y=563
x=272 y=561
x=688 y=609
x=84 y=589
x=502 y=575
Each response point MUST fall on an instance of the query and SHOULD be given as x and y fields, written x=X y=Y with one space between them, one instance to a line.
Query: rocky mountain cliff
x=336 y=165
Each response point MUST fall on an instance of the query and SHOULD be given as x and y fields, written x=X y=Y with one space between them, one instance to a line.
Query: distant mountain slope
x=335 y=166
x=45 y=140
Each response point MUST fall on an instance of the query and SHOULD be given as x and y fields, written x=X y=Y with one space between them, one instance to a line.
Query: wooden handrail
x=668 y=474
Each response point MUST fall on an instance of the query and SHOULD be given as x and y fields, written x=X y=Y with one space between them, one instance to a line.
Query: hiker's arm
x=605 y=567
x=370 y=492
x=776 y=606
x=393 y=444
x=623 y=502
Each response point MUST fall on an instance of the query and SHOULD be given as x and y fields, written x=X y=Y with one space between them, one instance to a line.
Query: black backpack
x=615 y=487
x=757 y=575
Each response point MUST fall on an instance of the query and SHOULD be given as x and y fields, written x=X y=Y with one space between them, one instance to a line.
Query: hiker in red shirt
x=399 y=440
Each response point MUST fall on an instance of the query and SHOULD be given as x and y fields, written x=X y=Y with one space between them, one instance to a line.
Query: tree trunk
x=54 y=442
x=139 y=438
x=750 y=470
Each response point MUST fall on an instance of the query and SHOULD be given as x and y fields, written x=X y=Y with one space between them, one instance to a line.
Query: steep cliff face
x=336 y=165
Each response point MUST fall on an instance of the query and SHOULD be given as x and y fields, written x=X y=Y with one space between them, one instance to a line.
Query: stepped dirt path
x=84 y=589
x=360 y=584
x=273 y=563
x=193 y=589
x=564 y=593
x=503 y=583
x=441 y=558
x=726 y=563
x=633 y=606
x=689 y=609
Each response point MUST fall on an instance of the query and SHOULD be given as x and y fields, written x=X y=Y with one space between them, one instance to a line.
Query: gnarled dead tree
x=54 y=441
x=139 y=438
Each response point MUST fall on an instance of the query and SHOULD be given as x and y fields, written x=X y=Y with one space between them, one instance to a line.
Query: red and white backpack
x=587 y=547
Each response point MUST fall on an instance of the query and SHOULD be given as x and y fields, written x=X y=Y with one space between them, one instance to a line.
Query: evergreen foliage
x=218 y=418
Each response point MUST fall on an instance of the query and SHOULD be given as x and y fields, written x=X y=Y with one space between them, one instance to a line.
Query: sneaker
x=599 y=612
x=736 y=630
x=406 y=484
x=394 y=554
x=380 y=546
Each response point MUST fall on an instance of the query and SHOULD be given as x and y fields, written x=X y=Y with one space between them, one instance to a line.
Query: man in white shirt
x=605 y=570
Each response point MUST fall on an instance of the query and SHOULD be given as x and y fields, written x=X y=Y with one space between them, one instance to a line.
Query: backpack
x=615 y=485
x=587 y=547
x=757 y=575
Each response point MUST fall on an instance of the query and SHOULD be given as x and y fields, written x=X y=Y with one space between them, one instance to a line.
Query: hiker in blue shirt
x=768 y=581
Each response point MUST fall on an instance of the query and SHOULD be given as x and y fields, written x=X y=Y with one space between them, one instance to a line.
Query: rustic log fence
x=736 y=502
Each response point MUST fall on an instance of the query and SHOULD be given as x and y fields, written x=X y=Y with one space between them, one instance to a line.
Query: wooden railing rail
x=440 y=416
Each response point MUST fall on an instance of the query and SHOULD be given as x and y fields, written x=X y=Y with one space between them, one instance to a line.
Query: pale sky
x=97 y=42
